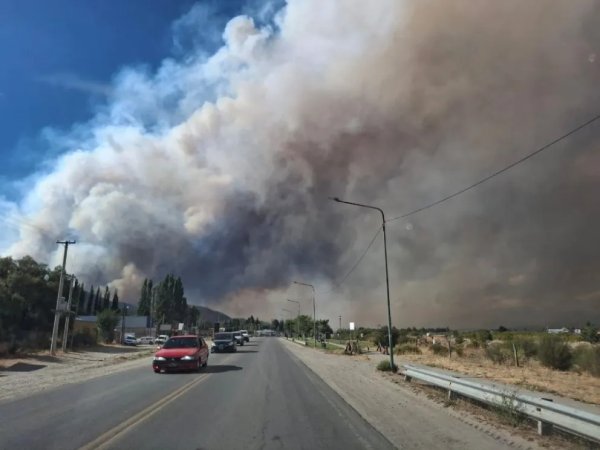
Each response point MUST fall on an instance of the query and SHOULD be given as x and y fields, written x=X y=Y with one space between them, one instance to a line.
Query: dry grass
x=532 y=375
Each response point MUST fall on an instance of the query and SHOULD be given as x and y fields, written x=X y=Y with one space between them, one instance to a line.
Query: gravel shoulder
x=407 y=417
x=21 y=377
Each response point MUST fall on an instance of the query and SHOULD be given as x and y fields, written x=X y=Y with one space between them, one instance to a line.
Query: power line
x=17 y=222
x=356 y=264
x=498 y=172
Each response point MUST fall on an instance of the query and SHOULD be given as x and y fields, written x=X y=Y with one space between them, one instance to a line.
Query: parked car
x=161 y=339
x=145 y=340
x=238 y=337
x=245 y=335
x=224 y=342
x=181 y=353
x=129 y=340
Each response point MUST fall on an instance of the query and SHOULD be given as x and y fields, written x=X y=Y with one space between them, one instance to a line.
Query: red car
x=181 y=353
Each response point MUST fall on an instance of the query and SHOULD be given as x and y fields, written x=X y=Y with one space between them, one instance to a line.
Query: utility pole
x=340 y=328
x=68 y=316
x=59 y=296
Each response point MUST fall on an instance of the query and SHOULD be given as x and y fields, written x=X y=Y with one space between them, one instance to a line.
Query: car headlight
x=188 y=358
x=230 y=343
x=159 y=358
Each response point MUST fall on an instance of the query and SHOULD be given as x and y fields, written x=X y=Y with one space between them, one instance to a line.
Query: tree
x=589 y=333
x=145 y=298
x=89 y=310
x=179 y=301
x=115 y=301
x=275 y=324
x=323 y=327
x=97 y=305
x=81 y=299
x=106 y=321
x=26 y=298
x=382 y=337
x=306 y=325
x=170 y=302
x=106 y=299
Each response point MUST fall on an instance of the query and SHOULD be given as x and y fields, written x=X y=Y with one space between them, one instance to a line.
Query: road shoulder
x=406 y=418
x=41 y=372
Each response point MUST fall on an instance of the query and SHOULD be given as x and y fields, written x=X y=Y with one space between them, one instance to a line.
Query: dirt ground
x=33 y=373
x=531 y=375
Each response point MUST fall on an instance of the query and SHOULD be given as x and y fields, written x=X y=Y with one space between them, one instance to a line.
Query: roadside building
x=558 y=330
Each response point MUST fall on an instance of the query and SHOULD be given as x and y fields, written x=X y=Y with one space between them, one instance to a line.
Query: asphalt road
x=261 y=397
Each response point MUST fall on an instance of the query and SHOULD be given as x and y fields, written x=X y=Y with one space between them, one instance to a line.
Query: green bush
x=408 y=349
x=589 y=333
x=555 y=353
x=439 y=349
x=459 y=350
x=588 y=358
x=385 y=366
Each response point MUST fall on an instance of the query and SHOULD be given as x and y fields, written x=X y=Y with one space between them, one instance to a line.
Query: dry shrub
x=497 y=353
x=588 y=358
x=439 y=349
x=408 y=349
x=385 y=366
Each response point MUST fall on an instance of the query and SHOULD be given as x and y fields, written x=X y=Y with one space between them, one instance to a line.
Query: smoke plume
x=219 y=168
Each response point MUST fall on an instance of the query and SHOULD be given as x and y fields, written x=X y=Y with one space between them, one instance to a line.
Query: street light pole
x=297 y=317
x=387 y=279
x=314 y=310
x=57 y=312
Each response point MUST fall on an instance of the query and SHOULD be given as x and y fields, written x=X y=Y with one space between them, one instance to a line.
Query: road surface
x=261 y=397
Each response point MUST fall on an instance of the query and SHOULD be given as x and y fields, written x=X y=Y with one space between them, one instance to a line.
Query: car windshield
x=181 y=343
x=222 y=336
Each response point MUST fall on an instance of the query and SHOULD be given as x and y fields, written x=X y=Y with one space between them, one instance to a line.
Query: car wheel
x=199 y=365
x=206 y=362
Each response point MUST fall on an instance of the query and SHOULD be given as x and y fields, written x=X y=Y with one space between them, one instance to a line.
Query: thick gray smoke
x=219 y=168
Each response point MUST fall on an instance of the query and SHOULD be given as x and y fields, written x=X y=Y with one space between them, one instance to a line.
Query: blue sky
x=58 y=58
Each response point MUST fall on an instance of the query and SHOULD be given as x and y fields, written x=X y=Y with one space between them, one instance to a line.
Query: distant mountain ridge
x=210 y=315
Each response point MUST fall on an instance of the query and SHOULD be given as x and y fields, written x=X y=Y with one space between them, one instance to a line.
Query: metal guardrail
x=546 y=411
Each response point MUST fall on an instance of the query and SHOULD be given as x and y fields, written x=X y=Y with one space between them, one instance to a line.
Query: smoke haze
x=219 y=168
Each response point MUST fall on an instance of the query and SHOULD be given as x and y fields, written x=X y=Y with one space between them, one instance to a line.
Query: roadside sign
x=180 y=327
x=351 y=326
